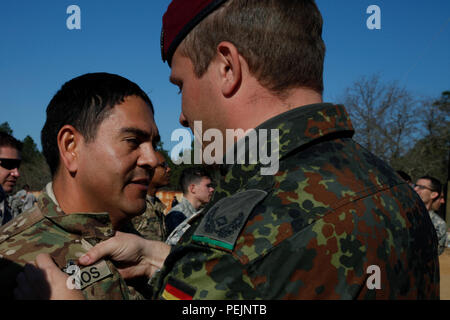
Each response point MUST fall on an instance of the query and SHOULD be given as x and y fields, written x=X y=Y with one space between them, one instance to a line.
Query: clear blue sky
x=38 y=53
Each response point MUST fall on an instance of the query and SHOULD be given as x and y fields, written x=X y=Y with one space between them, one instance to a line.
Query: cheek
x=3 y=175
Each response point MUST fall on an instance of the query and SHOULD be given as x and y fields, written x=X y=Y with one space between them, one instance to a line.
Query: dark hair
x=84 y=102
x=281 y=40
x=7 y=140
x=190 y=176
x=26 y=187
x=404 y=175
x=436 y=185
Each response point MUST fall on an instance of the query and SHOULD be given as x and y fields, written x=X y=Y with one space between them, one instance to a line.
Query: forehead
x=424 y=182
x=132 y=113
x=9 y=152
x=205 y=180
x=180 y=66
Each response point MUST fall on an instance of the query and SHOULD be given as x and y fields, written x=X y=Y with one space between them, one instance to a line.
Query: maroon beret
x=180 y=18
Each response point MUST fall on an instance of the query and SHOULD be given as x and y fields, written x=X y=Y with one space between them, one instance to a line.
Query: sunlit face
x=438 y=202
x=8 y=175
x=115 y=168
x=161 y=176
x=204 y=190
x=424 y=190
x=198 y=94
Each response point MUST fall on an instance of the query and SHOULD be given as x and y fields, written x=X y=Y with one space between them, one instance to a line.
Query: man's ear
x=230 y=68
x=191 y=188
x=69 y=140
x=434 y=196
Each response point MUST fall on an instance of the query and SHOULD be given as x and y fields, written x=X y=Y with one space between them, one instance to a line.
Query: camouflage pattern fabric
x=151 y=223
x=441 y=230
x=178 y=232
x=313 y=230
x=46 y=229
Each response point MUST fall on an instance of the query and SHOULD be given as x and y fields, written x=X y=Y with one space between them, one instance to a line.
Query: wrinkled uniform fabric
x=177 y=216
x=178 y=232
x=151 y=223
x=46 y=229
x=314 y=230
x=441 y=230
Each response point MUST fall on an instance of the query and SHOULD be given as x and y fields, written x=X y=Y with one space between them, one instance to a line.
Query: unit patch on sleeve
x=223 y=223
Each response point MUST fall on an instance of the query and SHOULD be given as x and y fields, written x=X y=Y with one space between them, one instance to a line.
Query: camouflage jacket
x=151 y=223
x=335 y=222
x=46 y=229
x=441 y=230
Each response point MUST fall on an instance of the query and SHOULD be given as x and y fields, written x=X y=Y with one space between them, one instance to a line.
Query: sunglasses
x=423 y=187
x=10 y=164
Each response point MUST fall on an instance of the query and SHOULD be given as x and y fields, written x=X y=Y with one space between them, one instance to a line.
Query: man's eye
x=133 y=141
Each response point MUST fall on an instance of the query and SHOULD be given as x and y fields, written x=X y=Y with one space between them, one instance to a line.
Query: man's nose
x=148 y=156
x=15 y=172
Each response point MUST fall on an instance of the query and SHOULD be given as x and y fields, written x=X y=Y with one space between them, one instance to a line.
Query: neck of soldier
x=193 y=200
x=151 y=190
x=255 y=105
x=72 y=200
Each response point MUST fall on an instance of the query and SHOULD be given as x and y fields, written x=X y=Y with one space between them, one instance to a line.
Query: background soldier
x=151 y=224
x=198 y=189
x=430 y=191
x=9 y=172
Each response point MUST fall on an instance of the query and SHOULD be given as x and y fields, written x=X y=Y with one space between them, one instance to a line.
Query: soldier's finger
x=45 y=262
x=102 y=249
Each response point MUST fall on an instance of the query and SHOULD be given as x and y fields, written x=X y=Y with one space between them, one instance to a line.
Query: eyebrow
x=144 y=135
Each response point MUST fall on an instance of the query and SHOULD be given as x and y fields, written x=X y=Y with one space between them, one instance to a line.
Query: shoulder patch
x=222 y=224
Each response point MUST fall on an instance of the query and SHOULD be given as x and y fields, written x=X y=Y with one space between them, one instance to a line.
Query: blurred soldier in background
x=151 y=224
x=431 y=193
x=9 y=173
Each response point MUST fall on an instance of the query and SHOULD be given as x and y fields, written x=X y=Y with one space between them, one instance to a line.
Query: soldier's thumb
x=45 y=261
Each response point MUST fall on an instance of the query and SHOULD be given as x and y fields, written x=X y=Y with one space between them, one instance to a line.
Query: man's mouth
x=142 y=181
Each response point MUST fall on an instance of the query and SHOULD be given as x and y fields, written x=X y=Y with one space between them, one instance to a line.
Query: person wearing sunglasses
x=10 y=160
x=429 y=190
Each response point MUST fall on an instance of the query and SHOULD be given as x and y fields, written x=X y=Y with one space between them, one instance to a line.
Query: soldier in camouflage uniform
x=331 y=213
x=198 y=189
x=66 y=237
x=98 y=140
x=151 y=224
x=430 y=191
x=10 y=160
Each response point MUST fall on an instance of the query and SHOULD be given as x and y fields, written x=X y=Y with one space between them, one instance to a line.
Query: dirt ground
x=444 y=265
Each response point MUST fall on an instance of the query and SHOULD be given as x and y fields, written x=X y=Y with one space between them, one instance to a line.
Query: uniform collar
x=87 y=225
x=302 y=126
x=298 y=128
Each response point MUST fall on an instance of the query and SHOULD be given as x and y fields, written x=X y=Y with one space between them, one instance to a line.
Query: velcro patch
x=90 y=275
x=223 y=223
x=83 y=278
